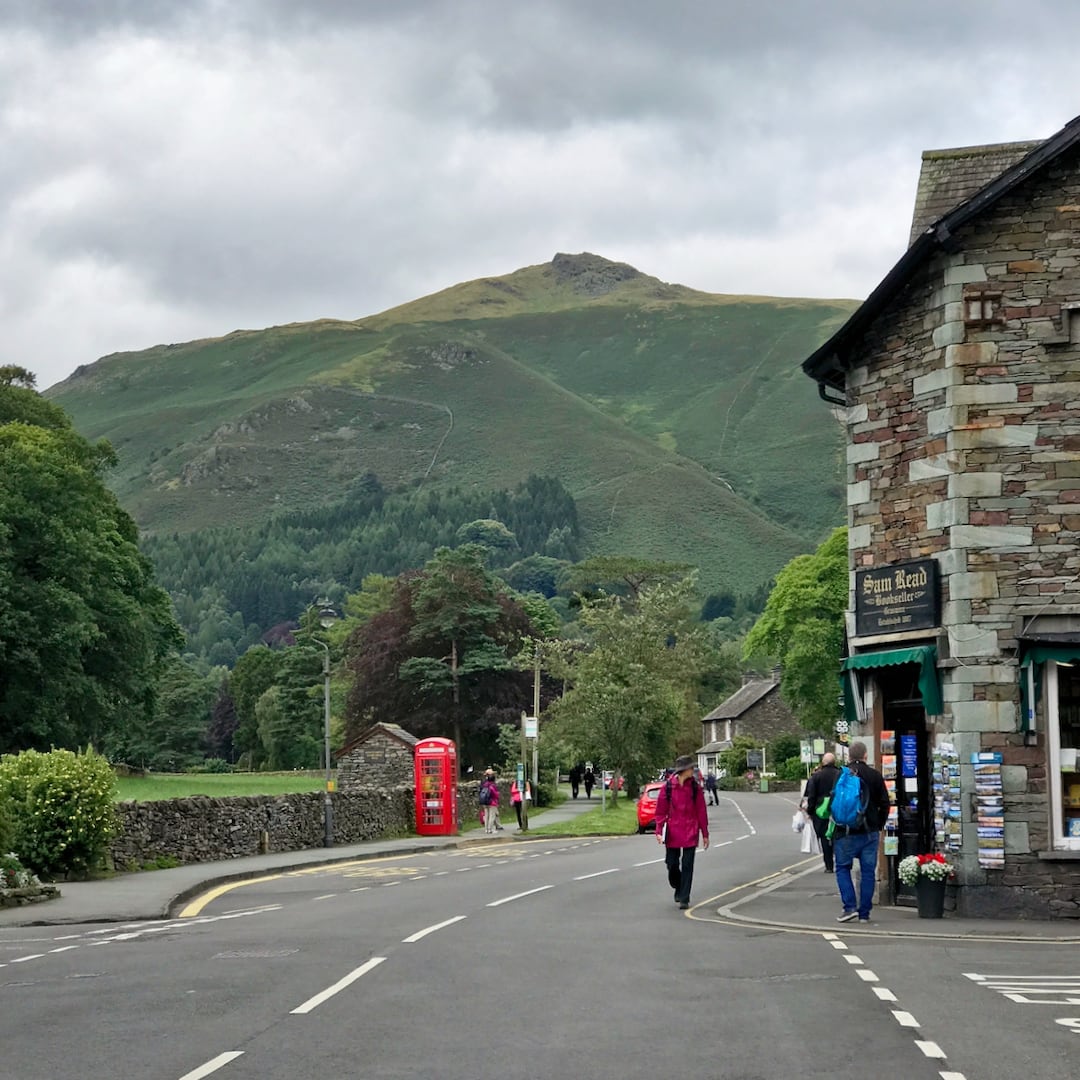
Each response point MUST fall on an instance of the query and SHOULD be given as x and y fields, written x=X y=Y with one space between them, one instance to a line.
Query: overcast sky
x=172 y=170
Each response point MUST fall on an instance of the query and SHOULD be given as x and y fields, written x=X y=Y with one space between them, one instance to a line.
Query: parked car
x=646 y=807
x=622 y=783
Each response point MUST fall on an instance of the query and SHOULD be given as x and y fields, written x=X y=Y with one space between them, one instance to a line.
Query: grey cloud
x=180 y=169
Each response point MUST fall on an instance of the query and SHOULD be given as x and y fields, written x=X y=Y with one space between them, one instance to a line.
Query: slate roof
x=742 y=699
x=828 y=365
x=950 y=177
x=395 y=731
x=715 y=747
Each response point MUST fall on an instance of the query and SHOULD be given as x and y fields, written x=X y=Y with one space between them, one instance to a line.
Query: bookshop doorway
x=904 y=761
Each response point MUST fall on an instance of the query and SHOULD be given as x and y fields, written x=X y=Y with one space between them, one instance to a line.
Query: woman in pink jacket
x=681 y=817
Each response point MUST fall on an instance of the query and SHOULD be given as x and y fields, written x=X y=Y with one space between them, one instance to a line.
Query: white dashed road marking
x=330 y=991
x=412 y=938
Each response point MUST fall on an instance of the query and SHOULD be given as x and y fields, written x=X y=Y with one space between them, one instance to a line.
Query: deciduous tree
x=802 y=627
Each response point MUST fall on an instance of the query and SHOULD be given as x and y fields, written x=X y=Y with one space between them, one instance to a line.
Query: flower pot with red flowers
x=927 y=874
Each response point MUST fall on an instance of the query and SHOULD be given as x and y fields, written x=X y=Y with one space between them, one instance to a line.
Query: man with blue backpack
x=858 y=811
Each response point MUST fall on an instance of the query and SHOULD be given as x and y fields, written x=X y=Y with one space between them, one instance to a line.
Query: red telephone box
x=436 y=787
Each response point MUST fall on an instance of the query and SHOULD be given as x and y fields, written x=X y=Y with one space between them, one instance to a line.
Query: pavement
x=800 y=898
x=154 y=894
x=805 y=898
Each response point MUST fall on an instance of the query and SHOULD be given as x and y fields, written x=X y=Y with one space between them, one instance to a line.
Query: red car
x=646 y=808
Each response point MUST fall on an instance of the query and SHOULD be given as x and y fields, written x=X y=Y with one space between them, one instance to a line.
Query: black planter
x=931 y=897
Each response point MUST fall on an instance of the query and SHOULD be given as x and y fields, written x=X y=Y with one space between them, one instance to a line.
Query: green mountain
x=679 y=420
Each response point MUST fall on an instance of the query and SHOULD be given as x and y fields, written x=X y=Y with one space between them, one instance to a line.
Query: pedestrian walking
x=711 y=788
x=575 y=781
x=819 y=788
x=489 y=801
x=588 y=780
x=516 y=797
x=681 y=818
x=859 y=838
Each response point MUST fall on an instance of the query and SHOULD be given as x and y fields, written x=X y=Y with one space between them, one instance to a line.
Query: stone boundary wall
x=206 y=829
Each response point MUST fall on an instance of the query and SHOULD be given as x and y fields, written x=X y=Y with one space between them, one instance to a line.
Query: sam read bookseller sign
x=890 y=599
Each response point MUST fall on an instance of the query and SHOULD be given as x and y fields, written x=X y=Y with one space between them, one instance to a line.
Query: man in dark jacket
x=861 y=842
x=818 y=788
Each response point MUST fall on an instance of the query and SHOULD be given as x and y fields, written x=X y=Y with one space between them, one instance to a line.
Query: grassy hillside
x=679 y=420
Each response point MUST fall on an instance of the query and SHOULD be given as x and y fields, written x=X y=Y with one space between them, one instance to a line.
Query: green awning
x=1033 y=654
x=923 y=655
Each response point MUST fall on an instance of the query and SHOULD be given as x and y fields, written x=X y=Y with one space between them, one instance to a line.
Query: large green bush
x=62 y=809
x=7 y=827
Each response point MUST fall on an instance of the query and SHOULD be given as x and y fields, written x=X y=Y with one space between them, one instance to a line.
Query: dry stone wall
x=203 y=829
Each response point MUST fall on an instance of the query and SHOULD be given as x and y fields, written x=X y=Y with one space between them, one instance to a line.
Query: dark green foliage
x=83 y=627
x=535 y=574
x=174 y=739
x=782 y=748
x=223 y=725
x=438 y=659
x=718 y=606
x=230 y=585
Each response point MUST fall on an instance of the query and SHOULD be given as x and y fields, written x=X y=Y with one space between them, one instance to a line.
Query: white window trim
x=1059 y=841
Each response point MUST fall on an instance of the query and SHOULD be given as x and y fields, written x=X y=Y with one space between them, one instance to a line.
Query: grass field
x=619 y=819
x=157 y=786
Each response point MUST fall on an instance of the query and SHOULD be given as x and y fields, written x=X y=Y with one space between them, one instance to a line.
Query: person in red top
x=680 y=818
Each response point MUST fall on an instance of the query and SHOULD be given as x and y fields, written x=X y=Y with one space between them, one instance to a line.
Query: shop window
x=1063 y=730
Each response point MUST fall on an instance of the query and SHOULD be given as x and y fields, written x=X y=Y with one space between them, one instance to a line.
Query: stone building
x=959 y=381
x=382 y=757
x=755 y=710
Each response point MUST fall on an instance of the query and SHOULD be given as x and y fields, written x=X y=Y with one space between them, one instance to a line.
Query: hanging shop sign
x=891 y=599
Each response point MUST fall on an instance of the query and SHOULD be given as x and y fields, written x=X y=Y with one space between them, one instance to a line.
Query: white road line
x=67 y=937
x=430 y=930
x=23 y=959
x=463 y=869
x=419 y=877
x=866 y=975
x=745 y=836
x=442 y=873
x=325 y=896
x=905 y=1019
x=883 y=994
x=330 y=991
x=651 y=862
x=851 y=958
x=977 y=978
x=518 y=896
x=723 y=843
x=829 y=937
x=64 y=948
x=838 y=944
x=213 y=1065
x=362 y=888
x=390 y=884
x=930 y=1049
x=599 y=873
x=551 y=852
x=952 y=1076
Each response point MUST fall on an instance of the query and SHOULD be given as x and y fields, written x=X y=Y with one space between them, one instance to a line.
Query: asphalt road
x=525 y=959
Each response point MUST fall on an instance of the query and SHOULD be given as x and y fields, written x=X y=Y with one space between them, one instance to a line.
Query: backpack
x=693 y=789
x=485 y=794
x=850 y=799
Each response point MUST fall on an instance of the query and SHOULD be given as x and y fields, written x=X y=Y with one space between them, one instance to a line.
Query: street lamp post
x=327 y=618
